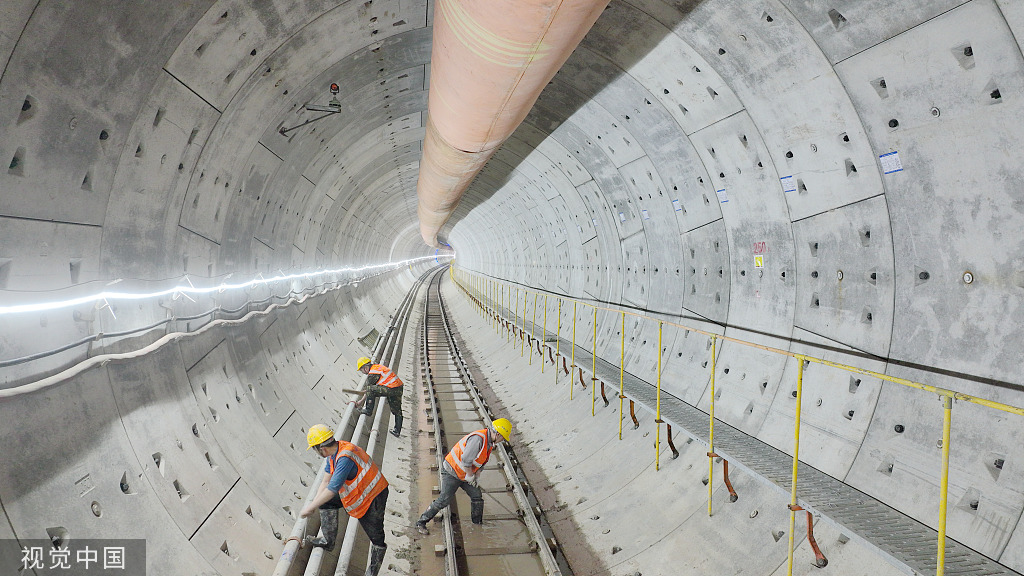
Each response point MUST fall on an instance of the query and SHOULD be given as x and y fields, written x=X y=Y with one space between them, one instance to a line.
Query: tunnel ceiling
x=839 y=178
x=678 y=142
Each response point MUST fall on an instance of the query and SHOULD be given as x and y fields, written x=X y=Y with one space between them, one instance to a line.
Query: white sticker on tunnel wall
x=788 y=184
x=722 y=196
x=891 y=162
x=646 y=215
x=677 y=205
x=595 y=222
x=622 y=217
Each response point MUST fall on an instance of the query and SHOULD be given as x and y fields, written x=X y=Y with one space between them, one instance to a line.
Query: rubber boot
x=477 y=512
x=329 y=529
x=398 y=426
x=376 y=559
x=368 y=407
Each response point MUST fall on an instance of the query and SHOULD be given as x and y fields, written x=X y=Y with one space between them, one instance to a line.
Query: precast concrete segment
x=849 y=509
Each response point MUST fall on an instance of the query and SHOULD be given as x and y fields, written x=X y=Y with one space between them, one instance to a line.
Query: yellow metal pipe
x=572 y=367
x=558 y=340
x=657 y=442
x=522 y=342
x=545 y=337
x=593 y=381
x=796 y=458
x=711 y=423
x=947 y=421
x=845 y=367
x=532 y=328
x=622 y=370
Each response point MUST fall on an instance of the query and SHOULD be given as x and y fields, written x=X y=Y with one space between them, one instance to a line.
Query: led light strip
x=190 y=289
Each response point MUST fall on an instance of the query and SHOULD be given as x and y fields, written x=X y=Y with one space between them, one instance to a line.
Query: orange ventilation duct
x=490 y=61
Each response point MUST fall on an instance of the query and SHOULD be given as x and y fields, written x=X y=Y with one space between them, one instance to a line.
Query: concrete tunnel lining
x=679 y=141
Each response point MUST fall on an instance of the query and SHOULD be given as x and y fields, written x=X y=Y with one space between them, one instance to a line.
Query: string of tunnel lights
x=189 y=289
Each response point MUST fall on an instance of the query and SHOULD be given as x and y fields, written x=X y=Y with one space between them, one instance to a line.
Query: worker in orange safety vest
x=353 y=482
x=462 y=469
x=382 y=381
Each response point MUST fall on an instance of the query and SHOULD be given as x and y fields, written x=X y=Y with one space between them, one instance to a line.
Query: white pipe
x=295 y=538
x=345 y=556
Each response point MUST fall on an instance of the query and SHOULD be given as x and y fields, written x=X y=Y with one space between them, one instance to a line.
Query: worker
x=351 y=481
x=462 y=469
x=382 y=381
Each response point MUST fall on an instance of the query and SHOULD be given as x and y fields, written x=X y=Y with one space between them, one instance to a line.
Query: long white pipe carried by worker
x=489 y=62
x=295 y=538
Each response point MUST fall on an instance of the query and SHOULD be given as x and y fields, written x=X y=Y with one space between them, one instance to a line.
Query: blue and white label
x=646 y=215
x=722 y=196
x=788 y=184
x=891 y=162
x=677 y=205
x=595 y=222
x=622 y=217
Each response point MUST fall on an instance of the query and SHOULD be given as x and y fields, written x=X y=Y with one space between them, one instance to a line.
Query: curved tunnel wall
x=145 y=144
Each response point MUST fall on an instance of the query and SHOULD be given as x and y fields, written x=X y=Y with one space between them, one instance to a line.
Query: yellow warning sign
x=758 y=261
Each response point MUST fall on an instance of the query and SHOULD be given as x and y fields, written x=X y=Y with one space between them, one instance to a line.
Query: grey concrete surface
x=140 y=146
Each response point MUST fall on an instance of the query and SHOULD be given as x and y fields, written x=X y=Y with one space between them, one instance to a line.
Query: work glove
x=471 y=480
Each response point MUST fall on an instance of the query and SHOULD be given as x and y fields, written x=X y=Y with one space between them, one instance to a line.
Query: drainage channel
x=513 y=539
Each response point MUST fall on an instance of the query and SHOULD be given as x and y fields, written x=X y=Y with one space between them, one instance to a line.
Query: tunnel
x=804 y=216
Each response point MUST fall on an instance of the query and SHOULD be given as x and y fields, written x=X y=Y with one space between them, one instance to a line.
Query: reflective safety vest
x=357 y=493
x=388 y=377
x=454 y=458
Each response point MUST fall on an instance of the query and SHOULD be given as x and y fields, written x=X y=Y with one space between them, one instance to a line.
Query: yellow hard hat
x=318 y=434
x=362 y=362
x=502 y=426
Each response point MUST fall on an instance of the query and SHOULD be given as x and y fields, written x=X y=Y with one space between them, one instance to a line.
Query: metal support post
x=657 y=443
x=796 y=457
x=711 y=424
x=819 y=559
x=545 y=338
x=558 y=340
x=622 y=370
x=573 y=355
x=947 y=420
x=593 y=379
x=533 y=327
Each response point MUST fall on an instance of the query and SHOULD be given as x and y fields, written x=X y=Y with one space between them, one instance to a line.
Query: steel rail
x=547 y=558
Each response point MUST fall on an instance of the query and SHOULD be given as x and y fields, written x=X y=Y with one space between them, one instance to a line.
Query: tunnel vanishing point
x=759 y=202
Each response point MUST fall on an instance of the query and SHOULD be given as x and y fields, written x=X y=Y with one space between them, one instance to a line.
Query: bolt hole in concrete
x=58 y=535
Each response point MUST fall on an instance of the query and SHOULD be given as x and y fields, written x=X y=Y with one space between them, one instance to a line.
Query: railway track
x=513 y=539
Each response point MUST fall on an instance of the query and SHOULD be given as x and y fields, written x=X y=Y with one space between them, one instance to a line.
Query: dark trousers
x=372 y=521
x=449 y=484
x=394 y=396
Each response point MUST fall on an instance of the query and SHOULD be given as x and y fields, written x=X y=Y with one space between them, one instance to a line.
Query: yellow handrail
x=558 y=340
x=657 y=419
x=545 y=337
x=711 y=423
x=947 y=421
x=533 y=327
x=796 y=458
x=896 y=380
x=522 y=341
x=622 y=370
x=572 y=364
x=593 y=381
x=948 y=396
